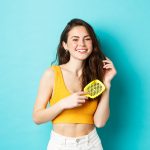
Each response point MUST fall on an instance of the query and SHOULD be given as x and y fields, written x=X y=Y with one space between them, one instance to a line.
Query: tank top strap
x=58 y=78
x=57 y=74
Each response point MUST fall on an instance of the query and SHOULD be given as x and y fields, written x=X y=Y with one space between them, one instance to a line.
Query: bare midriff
x=72 y=129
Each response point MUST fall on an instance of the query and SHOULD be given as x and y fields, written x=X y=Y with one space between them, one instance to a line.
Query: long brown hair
x=93 y=66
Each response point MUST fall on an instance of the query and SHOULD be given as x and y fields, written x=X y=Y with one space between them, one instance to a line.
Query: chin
x=82 y=58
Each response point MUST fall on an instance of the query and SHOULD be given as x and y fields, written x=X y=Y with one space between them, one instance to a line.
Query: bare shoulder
x=48 y=77
x=49 y=72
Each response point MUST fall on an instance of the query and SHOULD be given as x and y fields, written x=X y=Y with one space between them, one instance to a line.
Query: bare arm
x=103 y=111
x=42 y=114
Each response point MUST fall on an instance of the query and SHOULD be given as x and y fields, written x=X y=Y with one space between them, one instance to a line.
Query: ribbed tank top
x=83 y=114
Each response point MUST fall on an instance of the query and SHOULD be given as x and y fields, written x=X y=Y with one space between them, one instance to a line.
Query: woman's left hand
x=109 y=71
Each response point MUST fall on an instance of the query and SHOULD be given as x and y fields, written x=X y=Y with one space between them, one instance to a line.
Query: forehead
x=78 y=31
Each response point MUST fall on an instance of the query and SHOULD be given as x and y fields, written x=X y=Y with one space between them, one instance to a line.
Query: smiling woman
x=79 y=42
x=73 y=114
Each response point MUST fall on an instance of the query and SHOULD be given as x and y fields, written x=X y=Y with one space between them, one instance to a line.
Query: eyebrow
x=78 y=36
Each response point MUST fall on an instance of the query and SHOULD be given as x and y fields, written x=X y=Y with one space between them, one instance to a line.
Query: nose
x=81 y=42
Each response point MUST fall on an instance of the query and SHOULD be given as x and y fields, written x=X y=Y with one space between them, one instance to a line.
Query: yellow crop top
x=82 y=114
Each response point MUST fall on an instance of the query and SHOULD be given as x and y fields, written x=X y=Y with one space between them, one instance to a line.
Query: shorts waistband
x=73 y=140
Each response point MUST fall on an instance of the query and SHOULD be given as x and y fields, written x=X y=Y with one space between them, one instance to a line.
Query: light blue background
x=29 y=35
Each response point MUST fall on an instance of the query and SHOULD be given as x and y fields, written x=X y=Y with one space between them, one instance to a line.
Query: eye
x=88 y=39
x=75 y=40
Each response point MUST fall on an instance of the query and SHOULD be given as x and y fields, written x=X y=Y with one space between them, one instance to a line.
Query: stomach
x=72 y=129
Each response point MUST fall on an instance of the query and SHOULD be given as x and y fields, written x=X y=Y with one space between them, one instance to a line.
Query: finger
x=83 y=97
x=82 y=93
x=107 y=61
x=108 y=66
x=79 y=105
x=107 y=58
x=81 y=101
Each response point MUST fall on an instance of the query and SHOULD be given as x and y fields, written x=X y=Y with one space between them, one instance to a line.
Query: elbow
x=100 y=124
x=36 y=119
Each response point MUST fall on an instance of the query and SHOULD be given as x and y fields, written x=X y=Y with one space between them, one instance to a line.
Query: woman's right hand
x=75 y=100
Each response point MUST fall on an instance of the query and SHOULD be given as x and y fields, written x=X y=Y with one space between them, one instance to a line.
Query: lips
x=81 y=50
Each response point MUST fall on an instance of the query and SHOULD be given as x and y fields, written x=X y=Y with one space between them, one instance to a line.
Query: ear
x=64 y=45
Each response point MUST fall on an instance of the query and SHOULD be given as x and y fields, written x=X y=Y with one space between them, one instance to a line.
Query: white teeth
x=81 y=50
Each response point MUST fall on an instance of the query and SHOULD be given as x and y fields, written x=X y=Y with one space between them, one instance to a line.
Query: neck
x=75 y=67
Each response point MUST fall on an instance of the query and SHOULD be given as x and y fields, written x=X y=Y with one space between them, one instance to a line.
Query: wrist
x=61 y=106
x=107 y=85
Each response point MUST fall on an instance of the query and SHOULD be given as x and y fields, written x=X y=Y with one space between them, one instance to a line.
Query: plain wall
x=29 y=35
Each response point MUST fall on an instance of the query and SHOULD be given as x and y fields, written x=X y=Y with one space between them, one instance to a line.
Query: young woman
x=75 y=116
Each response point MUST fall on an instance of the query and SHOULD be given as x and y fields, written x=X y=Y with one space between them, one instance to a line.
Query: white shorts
x=90 y=141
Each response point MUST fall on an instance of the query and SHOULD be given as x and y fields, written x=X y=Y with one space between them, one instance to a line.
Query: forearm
x=102 y=113
x=47 y=114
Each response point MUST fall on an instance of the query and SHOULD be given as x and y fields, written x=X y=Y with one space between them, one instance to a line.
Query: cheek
x=74 y=45
x=90 y=46
x=89 y=43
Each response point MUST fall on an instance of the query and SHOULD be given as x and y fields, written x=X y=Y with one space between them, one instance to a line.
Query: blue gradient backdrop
x=29 y=34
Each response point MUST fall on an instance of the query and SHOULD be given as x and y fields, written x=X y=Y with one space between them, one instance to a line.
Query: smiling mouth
x=82 y=50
